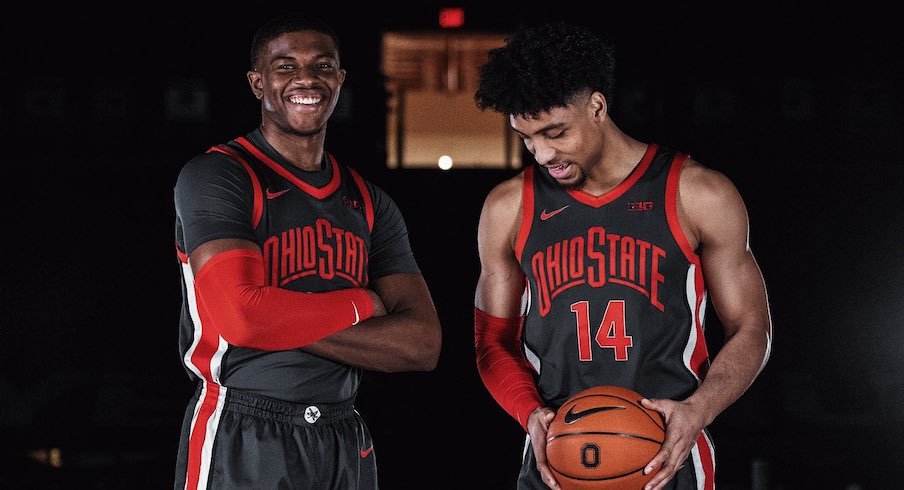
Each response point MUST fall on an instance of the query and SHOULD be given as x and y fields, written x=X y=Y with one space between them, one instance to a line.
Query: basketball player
x=297 y=276
x=615 y=246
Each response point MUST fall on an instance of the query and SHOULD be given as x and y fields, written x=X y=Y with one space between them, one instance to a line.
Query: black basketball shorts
x=244 y=441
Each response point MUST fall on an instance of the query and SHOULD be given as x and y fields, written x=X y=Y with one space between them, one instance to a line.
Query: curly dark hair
x=543 y=67
x=288 y=22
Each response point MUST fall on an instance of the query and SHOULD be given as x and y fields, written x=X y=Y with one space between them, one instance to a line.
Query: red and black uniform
x=279 y=418
x=615 y=294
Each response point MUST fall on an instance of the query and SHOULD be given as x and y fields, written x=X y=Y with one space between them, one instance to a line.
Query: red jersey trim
x=183 y=257
x=258 y=206
x=636 y=174
x=317 y=192
x=700 y=355
x=707 y=462
x=209 y=403
x=671 y=208
x=368 y=199
x=202 y=360
x=527 y=211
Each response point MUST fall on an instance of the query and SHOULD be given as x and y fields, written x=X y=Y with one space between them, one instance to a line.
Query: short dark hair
x=543 y=67
x=290 y=22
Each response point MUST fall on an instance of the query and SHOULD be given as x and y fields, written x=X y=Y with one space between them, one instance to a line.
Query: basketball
x=602 y=438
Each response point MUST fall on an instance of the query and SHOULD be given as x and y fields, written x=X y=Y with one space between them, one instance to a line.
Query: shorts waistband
x=288 y=412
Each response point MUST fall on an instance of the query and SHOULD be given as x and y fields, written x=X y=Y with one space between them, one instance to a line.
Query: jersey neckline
x=633 y=177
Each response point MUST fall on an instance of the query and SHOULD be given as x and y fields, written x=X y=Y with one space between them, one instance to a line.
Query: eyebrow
x=544 y=129
x=282 y=57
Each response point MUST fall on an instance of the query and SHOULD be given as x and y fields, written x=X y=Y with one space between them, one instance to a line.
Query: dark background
x=800 y=107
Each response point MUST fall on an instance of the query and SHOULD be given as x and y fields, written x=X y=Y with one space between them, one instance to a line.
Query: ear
x=256 y=83
x=599 y=108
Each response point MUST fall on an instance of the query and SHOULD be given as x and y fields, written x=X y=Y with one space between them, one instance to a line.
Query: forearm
x=399 y=341
x=733 y=370
x=407 y=338
x=233 y=299
x=502 y=367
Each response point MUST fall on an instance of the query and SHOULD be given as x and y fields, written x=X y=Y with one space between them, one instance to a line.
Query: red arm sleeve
x=503 y=367
x=233 y=298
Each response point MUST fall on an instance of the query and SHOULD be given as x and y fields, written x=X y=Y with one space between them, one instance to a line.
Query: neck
x=619 y=156
x=302 y=151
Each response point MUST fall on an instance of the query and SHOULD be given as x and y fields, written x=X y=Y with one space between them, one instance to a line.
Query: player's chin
x=572 y=182
x=306 y=127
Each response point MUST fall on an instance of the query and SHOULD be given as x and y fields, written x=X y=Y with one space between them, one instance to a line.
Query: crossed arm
x=392 y=327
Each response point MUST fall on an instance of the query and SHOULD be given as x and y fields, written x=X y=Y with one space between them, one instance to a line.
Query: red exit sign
x=451 y=17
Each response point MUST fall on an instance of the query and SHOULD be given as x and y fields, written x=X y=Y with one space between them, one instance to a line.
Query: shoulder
x=380 y=197
x=501 y=213
x=360 y=178
x=709 y=203
x=211 y=170
x=384 y=207
x=211 y=162
x=506 y=195
x=701 y=185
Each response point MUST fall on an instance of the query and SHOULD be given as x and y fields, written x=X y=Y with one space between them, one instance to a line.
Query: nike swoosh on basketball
x=571 y=416
x=545 y=216
x=274 y=195
x=357 y=318
x=365 y=452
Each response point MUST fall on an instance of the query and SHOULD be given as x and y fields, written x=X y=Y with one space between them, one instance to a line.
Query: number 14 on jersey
x=612 y=332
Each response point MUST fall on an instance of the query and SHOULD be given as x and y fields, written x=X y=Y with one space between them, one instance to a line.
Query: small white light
x=445 y=162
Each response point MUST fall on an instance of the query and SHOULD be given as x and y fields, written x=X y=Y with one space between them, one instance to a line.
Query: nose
x=543 y=152
x=304 y=76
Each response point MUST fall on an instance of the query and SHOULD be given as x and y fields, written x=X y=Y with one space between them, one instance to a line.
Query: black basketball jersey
x=615 y=294
x=316 y=232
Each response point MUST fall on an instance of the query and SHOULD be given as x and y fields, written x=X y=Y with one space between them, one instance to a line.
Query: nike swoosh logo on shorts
x=274 y=195
x=572 y=416
x=545 y=216
x=365 y=452
x=357 y=318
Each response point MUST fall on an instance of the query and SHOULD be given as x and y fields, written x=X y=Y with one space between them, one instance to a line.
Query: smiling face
x=566 y=141
x=298 y=80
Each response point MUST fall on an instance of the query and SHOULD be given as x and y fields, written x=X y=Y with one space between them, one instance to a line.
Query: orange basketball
x=601 y=438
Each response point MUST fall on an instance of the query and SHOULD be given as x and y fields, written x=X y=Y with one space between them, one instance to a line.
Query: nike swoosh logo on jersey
x=365 y=452
x=545 y=216
x=274 y=195
x=571 y=416
x=357 y=318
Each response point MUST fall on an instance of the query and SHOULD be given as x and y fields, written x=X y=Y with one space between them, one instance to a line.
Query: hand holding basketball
x=601 y=438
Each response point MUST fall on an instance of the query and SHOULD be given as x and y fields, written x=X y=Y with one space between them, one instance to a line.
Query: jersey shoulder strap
x=258 y=201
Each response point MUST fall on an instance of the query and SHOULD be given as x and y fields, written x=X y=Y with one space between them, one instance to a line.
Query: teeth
x=307 y=99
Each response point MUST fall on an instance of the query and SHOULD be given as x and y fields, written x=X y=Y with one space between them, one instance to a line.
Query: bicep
x=500 y=286
x=736 y=287
x=390 y=248
x=207 y=250
x=213 y=199
x=404 y=292
x=733 y=277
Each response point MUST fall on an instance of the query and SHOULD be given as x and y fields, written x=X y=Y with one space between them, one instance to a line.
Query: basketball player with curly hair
x=599 y=259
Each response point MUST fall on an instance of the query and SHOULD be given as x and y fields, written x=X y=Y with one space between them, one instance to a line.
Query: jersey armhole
x=365 y=194
x=671 y=207
x=180 y=254
x=527 y=211
x=258 y=202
